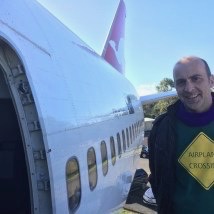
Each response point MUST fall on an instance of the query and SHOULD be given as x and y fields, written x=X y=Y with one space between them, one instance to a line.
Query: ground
x=136 y=207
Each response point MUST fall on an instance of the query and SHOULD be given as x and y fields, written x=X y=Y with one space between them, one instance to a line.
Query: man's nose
x=189 y=86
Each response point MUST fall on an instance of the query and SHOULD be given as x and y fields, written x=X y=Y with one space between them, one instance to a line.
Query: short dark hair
x=192 y=58
x=207 y=68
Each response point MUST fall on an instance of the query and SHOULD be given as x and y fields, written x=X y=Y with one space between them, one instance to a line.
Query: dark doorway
x=14 y=186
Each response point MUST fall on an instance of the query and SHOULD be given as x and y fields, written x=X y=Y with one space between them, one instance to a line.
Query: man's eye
x=195 y=78
x=180 y=82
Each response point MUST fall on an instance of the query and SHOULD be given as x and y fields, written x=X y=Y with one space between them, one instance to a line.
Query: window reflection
x=119 y=145
x=124 y=141
x=112 y=146
x=73 y=184
x=104 y=157
x=92 y=168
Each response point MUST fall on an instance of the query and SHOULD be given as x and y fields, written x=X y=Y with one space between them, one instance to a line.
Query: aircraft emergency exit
x=71 y=124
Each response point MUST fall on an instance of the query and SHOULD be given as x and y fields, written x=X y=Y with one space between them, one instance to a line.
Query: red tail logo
x=113 y=51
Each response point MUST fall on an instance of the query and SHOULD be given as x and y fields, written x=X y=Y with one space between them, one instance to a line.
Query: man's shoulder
x=160 y=118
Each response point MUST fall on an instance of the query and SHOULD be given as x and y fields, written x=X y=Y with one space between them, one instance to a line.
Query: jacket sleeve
x=152 y=140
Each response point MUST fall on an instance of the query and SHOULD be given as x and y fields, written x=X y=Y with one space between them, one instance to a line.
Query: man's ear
x=212 y=81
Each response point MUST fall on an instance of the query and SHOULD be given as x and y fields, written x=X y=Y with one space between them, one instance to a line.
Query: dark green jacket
x=161 y=158
x=162 y=162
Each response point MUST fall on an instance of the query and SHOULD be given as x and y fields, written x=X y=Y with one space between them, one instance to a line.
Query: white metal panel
x=72 y=88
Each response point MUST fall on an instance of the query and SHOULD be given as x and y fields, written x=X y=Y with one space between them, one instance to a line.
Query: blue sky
x=158 y=33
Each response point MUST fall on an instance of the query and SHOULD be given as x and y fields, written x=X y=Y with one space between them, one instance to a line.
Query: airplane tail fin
x=113 y=51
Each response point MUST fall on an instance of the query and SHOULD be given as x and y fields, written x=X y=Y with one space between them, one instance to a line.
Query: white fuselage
x=79 y=101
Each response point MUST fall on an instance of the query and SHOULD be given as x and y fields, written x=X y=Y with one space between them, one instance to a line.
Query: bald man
x=181 y=144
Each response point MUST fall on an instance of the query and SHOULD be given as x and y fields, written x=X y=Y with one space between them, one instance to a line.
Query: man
x=181 y=146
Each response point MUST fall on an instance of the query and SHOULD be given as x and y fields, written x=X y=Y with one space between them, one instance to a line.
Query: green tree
x=149 y=110
x=166 y=84
x=154 y=109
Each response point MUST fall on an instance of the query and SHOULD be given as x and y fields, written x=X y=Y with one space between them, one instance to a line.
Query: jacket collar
x=191 y=118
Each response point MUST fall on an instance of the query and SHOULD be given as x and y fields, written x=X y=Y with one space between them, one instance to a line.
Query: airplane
x=151 y=98
x=72 y=125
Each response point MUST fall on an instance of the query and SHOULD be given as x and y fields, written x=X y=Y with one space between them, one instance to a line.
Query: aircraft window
x=142 y=123
x=130 y=132
x=119 y=145
x=133 y=131
x=104 y=157
x=140 y=126
x=137 y=128
x=113 y=155
x=92 y=168
x=124 y=141
x=73 y=184
x=127 y=136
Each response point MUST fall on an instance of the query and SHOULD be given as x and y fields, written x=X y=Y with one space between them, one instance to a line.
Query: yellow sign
x=198 y=160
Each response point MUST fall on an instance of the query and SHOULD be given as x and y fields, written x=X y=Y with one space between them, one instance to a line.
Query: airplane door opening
x=14 y=187
x=24 y=175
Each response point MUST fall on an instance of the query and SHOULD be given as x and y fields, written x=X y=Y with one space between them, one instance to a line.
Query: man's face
x=193 y=85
